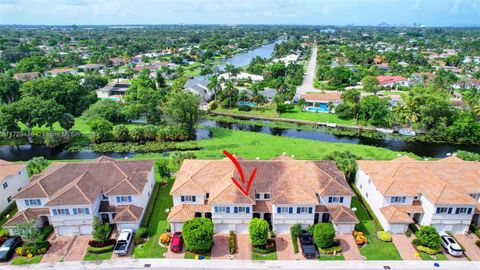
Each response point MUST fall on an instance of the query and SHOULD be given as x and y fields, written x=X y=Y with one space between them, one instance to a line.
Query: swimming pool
x=322 y=108
x=248 y=104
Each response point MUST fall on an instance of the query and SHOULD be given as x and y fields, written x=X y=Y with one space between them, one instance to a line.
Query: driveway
x=468 y=242
x=405 y=247
x=60 y=246
x=285 y=248
x=79 y=248
x=221 y=247
x=349 y=247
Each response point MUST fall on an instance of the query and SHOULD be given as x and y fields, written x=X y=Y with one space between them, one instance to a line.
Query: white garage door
x=222 y=228
x=242 y=228
x=459 y=229
x=282 y=228
x=440 y=227
x=86 y=229
x=67 y=230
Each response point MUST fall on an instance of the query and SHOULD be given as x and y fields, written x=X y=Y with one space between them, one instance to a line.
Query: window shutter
x=469 y=211
x=235 y=209
x=215 y=209
x=182 y=198
x=27 y=203
x=39 y=202
x=118 y=199
x=54 y=212
x=75 y=211
x=227 y=209
x=329 y=199
x=341 y=199
x=438 y=210
x=298 y=210
x=457 y=211
x=290 y=210
x=310 y=210
x=129 y=198
x=248 y=210
x=194 y=198
x=450 y=210
x=278 y=210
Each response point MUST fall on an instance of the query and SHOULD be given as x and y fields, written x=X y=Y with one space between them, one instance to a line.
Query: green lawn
x=158 y=223
x=251 y=145
x=24 y=260
x=375 y=249
x=318 y=117
x=331 y=258
x=98 y=257
x=427 y=257
x=264 y=257
x=191 y=256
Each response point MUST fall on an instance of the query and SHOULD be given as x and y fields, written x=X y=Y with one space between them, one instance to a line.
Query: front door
x=325 y=217
x=268 y=218
x=105 y=218
x=256 y=215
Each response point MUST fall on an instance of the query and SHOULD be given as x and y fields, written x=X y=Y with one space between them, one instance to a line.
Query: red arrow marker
x=242 y=176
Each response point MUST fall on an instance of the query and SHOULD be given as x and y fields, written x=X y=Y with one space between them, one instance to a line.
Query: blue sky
x=318 y=12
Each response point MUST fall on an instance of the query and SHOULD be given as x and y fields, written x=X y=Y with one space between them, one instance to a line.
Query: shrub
x=142 y=232
x=98 y=250
x=413 y=227
x=106 y=109
x=258 y=230
x=150 y=132
x=101 y=130
x=475 y=230
x=244 y=108
x=198 y=235
x=430 y=251
x=165 y=238
x=99 y=244
x=121 y=133
x=295 y=231
x=232 y=242
x=384 y=236
x=335 y=248
x=477 y=243
x=428 y=236
x=273 y=234
x=408 y=234
x=310 y=228
x=267 y=248
x=45 y=232
x=137 y=134
x=324 y=233
x=360 y=238
x=40 y=248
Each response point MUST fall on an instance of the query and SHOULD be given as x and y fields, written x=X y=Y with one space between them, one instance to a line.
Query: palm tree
x=406 y=112
x=230 y=91
x=281 y=86
x=256 y=96
x=215 y=85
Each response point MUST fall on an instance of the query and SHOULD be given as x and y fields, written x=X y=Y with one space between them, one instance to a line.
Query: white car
x=123 y=242
x=452 y=247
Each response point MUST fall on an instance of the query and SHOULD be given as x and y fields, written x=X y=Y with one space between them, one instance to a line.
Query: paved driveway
x=79 y=248
x=404 y=246
x=60 y=246
x=285 y=248
x=349 y=248
x=244 y=247
x=468 y=242
x=221 y=247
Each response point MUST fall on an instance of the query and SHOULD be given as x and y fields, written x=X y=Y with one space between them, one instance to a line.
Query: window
x=335 y=199
x=33 y=202
x=284 y=210
x=241 y=210
x=366 y=194
x=61 y=212
x=188 y=198
x=221 y=209
x=304 y=210
x=463 y=211
x=123 y=199
x=257 y=196
x=266 y=196
x=81 y=211
x=398 y=199
x=5 y=185
x=360 y=186
x=9 y=199
x=444 y=210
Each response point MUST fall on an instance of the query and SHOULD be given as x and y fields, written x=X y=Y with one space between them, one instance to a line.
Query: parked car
x=123 y=242
x=306 y=243
x=8 y=248
x=177 y=242
x=450 y=245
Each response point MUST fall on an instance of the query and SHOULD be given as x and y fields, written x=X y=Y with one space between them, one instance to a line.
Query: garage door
x=459 y=229
x=67 y=230
x=242 y=228
x=86 y=230
x=440 y=227
x=222 y=228
x=282 y=228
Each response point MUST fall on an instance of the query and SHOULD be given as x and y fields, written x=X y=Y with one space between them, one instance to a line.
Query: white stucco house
x=13 y=177
x=443 y=193
x=284 y=192
x=69 y=195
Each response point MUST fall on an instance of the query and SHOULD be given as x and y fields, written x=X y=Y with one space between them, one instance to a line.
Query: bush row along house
x=69 y=195
x=284 y=192
x=443 y=193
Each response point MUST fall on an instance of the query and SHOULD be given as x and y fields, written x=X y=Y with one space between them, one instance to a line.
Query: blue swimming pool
x=246 y=103
x=322 y=108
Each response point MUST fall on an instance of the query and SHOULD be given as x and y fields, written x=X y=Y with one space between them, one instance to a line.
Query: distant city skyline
x=305 y=12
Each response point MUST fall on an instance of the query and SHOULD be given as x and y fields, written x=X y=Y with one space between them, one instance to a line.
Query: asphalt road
x=307 y=85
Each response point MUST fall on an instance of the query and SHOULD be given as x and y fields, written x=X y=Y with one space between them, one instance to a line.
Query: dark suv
x=308 y=248
x=8 y=248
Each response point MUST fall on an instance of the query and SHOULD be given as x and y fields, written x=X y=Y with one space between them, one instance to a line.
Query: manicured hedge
x=428 y=250
x=98 y=250
x=295 y=231
x=258 y=230
x=331 y=250
x=98 y=244
x=324 y=234
x=198 y=235
x=232 y=242
x=384 y=236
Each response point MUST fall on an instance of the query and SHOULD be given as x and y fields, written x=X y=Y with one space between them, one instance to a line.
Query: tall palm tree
x=256 y=96
x=215 y=85
x=230 y=91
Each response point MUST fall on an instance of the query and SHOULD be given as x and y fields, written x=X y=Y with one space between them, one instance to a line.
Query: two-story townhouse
x=69 y=195
x=443 y=193
x=13 y=177
x=284 y=192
